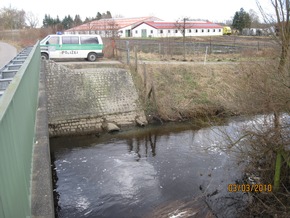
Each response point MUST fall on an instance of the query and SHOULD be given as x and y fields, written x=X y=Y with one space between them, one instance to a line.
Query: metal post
x=205 y=56
x=136 y=59
x=128 y=52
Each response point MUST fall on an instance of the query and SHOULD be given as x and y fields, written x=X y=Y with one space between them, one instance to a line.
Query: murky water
x=165 y=171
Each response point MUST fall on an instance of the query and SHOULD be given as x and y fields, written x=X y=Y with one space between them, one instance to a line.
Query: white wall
x=137 y=32
x=152 y=32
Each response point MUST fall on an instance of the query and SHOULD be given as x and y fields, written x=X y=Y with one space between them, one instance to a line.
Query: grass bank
x=180 y=92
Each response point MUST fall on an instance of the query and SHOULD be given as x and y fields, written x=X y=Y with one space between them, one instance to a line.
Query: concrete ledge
x=42 y=204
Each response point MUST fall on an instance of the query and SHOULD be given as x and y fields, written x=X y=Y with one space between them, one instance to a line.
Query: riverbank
x=182 y=92
x=179 y=92
x=199 y=92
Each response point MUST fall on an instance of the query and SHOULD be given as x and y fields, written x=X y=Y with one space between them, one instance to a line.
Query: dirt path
x=7 y=52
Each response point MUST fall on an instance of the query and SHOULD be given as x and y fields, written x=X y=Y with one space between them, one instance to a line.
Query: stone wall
x=78 y=100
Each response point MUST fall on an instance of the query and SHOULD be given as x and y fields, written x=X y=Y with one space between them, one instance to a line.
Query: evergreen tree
x=108 y=15
x=56 y=21
x=77 y=21
x=47 y=21
x=67 y=22
x=241 y=20
x=99 y=16
x=87 y=20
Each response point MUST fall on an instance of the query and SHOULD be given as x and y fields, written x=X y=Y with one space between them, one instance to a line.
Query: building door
x=144 y=33
x=128 y=33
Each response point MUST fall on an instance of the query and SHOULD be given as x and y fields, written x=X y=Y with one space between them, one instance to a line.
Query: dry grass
x=246 y=55
x=189 y=91
x=186 y=90
x=25 y=37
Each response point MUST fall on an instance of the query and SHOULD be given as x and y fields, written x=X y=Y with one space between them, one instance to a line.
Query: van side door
x=92 y=43
x=53 y=44
x=70 y=47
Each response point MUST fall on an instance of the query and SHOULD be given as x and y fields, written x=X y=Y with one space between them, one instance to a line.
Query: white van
x=72 y=46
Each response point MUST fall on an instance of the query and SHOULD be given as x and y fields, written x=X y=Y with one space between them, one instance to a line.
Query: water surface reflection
x=151 y=172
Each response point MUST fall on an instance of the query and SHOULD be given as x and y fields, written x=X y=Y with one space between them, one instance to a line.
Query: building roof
x=112 y=23
x=175 y=25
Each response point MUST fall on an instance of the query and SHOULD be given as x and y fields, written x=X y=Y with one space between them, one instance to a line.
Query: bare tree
x=111 y=28
x=255 y=22
x=11 y=18
x=112 y=33
x=282 y=31
x=90 y=26
x=263 y=89
x=181 y=25
x=282 y=35
x=31 y=19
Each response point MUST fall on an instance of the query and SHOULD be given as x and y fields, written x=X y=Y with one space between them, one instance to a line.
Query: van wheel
x=92 y=57
x=44 y=56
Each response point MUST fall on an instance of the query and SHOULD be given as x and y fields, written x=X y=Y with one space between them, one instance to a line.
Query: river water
x=158 y=171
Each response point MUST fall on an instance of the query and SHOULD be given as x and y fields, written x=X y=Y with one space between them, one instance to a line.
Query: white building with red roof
x=146 y=27
x=175 y=29
x=112 y=26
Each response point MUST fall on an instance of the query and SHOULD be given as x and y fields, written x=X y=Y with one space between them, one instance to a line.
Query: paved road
x=7 y=52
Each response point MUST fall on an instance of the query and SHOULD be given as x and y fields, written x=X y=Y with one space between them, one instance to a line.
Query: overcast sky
x=213 y=10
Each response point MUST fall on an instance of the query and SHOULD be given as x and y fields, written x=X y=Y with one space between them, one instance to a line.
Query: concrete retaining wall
x=79 y=99
x=42 y=205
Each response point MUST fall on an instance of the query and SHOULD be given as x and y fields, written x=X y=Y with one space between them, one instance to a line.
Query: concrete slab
x=79 y=99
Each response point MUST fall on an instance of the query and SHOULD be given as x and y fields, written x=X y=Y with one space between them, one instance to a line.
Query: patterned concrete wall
x=79 y=99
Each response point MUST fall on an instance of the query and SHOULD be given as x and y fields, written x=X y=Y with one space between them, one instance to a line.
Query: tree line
x=12 y=18
x=68 y=22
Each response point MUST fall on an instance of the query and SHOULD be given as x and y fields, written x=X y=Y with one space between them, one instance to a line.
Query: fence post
x=210 y=45
x=128 y=52
x=145 y=75
x=136 y=58
x=205 y=55
x=145 y=83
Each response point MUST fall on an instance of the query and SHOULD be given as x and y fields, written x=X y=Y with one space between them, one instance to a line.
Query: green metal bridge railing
x=18 y=107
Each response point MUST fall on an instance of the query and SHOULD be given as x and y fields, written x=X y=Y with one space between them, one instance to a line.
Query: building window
x=208 y=30
x=214 y=30
x=196 y=31
x=220 y=30
x=161 y=31
x=151 y=31
x=176 y=31
x=121 y=31
x=136 y=31
x=202 y=30
x=189 y=30
x=168 y=31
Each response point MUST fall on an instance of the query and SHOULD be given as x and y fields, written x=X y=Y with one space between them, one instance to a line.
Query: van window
x=53 y=40
x=70 y=40
x=89 y=40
